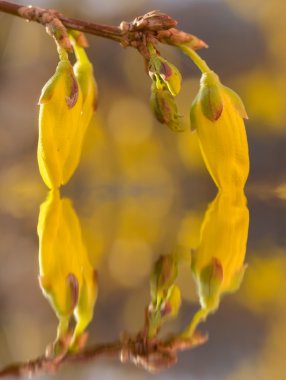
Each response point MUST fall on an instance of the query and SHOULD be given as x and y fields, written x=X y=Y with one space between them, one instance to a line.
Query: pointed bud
x=164 y=108
x=154 y=20
x=217 y=116
x=164 y=71
x=177 y=37
x=163 y=276
x=165 y=296
x=194 y=42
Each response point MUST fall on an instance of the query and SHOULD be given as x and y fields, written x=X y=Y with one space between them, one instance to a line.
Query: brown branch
x=154 y=26
x=152 y=355
x=47 y=364
x=33 y=14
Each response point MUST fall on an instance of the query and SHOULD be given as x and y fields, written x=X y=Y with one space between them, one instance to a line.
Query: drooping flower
x=218 y=262
x=59 y=121
x=217 y=116
x=66 y=276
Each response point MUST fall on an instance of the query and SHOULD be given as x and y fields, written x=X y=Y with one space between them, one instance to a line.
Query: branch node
x=51 y=20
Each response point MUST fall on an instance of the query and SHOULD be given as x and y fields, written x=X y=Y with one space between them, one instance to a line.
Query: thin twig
x=154 y=26
x=30 y=13
x=152 y=355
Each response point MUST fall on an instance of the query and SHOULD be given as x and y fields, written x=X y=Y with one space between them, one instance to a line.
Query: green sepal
x=210 y=280
x=64 y=72
x=211 y=102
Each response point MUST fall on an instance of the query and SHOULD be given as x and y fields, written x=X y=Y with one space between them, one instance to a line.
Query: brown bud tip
x=178 y=37
x=81 y=40
x=166 y=71
x=74 y=289
x=56 y=29
x=124 y=26
x=154 y=20
x=73 y=96
x=166 y=309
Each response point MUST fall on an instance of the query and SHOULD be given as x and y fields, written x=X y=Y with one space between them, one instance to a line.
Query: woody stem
x=30 y=13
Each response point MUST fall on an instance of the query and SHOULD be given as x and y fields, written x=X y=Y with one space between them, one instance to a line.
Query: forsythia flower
x=218 y=263
x=60 y=112
x=217 y=115
x=66 y=276
x=67 y=103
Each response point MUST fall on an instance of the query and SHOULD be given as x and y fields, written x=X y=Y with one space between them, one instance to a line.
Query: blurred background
x=141 y=190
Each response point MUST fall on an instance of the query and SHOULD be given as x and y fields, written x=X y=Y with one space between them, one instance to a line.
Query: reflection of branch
x=153 y=355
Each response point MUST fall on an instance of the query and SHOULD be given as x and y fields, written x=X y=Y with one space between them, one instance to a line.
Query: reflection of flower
x=165 y=295
x=218 y=263
x=217 y=115
x=66 y=277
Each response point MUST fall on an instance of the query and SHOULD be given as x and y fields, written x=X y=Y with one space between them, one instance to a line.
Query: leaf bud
x=164 y=107
x=164 y=71
x=154 y=20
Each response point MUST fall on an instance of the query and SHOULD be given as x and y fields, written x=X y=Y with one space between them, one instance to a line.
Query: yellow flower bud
x=60 y=111
x=66 y=276
x=217 y=115
x=83 y=71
